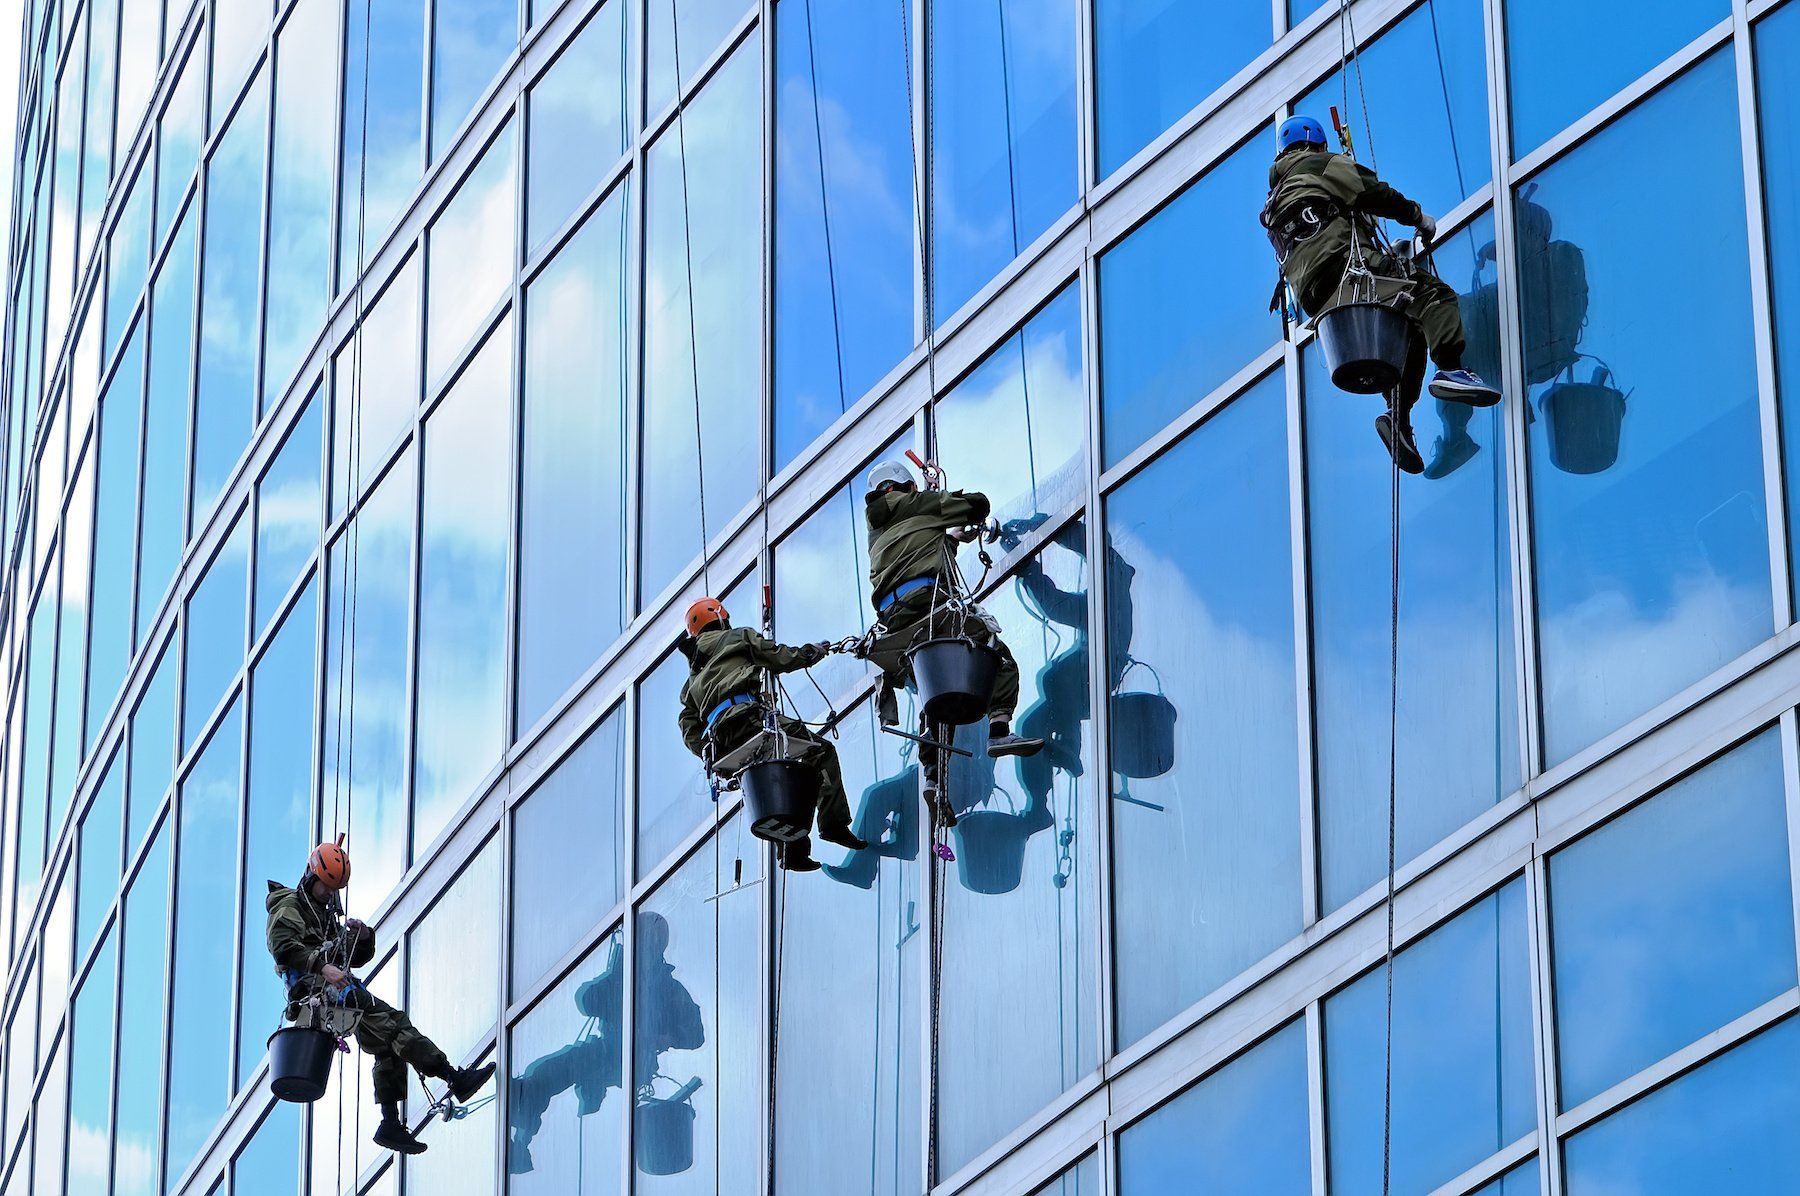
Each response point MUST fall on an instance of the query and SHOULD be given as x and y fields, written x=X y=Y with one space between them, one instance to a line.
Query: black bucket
x=990 y=853
x=955 y=679
x=1143 y=734
x=1584 y=422
x=300 y=1059
x=779 y=797
x=664 y=1135
x=1365 y=346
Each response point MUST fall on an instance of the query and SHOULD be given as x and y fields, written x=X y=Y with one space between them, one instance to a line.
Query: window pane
x=1671 y=920
x=1565 y=59
x=573 y=824
x=456 y=1153
x=386 y=357
x=573 y=476
x=462 y=587
x=1206 y=803
x=578 y=122
x=237 y=27
x=161 y=528
x=1652 y=550
x=152 y=745
x=1170 y=334
x=1458 y=750
x=720 y=226
x=225 y=406
x=1520 y=1181
x=270 y=1165
x=703 y=25
x=115 y=534
x=392 y=58
x=364 y=792
x=1021 y=915
x=178 y=140
x=452 y=954
x=97 y=151
x=471 y=40
x=1778 y=87
x=99 y=872
x=21 y=1058
x=1244 y=1128
x=71 y=642
x=1002 y=137
x=127 y=259
x=565 y=1101
x=287 y=511
x=672 y=792
x=1724 y=1127
x=300 y=197
x=1083 y=1179
x=143 y=971
x=1155 y=61
x=471 y=246
x=1425 y=86
x=846 y=229
x=1462 y=1055
x=849 y=1077
x=215 y=650
x=200 y=1047
x=140 y=46
x=342 y=1117
x=698 y=1014
x=278 y=831
x=90 y=1070
x=49 y=1125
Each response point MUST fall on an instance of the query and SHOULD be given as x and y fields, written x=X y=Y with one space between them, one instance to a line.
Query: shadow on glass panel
x=887 y=818
x=591 y=1063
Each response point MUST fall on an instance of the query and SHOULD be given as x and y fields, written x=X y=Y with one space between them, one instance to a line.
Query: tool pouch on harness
x=1299 y=222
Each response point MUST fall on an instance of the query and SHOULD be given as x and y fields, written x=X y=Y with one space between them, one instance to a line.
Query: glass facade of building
x=382 y=378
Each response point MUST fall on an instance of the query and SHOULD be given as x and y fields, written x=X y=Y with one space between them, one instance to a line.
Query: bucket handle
x=1132 y=662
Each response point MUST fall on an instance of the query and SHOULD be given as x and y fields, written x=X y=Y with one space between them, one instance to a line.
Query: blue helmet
x=1296 y=130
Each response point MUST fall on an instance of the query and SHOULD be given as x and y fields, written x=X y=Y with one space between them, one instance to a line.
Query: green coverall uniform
x=1316 y=261
x=728 y=662
x=304 y=936
x=909 y=540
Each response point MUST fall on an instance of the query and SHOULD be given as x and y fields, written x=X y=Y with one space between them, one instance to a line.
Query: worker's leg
x=1438 y=309
x=385 y=1030
x=888 y=653
x=1394 y=425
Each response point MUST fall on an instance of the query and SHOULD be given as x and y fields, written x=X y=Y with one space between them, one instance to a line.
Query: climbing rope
x=1387 y=1085
x=687 y=253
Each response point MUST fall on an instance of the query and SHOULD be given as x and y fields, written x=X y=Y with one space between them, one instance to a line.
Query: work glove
x=1426 y=226
x=822 y=649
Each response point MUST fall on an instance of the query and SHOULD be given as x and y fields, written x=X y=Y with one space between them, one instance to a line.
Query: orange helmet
x=330 y=865
x=704 y=613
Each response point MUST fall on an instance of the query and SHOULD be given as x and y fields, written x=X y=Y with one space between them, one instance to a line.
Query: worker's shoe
x=1002 y=742
x=1463 y=386
x=393 y=1135
x=1449 y=454
x=935 y=801
x=465 y=1082
x=843 y=836
x=798 y=857
x=1400 y=447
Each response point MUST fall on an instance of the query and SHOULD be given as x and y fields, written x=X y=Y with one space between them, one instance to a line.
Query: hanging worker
x=723 y=707
x=1318 y=201
x=314 y=948
x=913 y=535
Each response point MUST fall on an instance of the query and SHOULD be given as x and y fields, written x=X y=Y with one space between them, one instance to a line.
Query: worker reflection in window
x=887 y=817
x=668 y=1020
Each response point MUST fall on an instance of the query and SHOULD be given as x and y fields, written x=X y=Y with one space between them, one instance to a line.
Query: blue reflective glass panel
x=71 y=641
x=21 y=1072
x=1778 y=88
x=1567 y=58
x=206 y=885
x=471 y=39
x=1170 y=334
x=287 y=511
x=713 y=236
x=225 y=392
x=689 y=31
x=578 y=121
x=140 y=49
x=1458 y=751
x=34 y=755
x=215 y=643
x=1083 y=1179
x=270 y=1165
x=1021 y=915
x=178 y=140
x=470 y=255
x=846 y=229
x=1463 y=1085
x=1244 y=1128
x=1155 y=61
x=99 y=870
x=162 y=529
x=1205 y=780
x=152 y=746
x=1725 y=1127
x=127 y=259
x=574 y=473
x=456 y=1152
x=237 y=30
x=566 y=1097
x=1002 y=137
x=91 y=1072
x=97 y=148
x=1419 y=111
x=1299 y=10
x=573 y=824
x=457 y=939
x=278 y=814
x=368 y=415
x=849 y=1076
x=379 y=177
x=1520 y=1181
x=300 y=197
x=49 y=1125
x=1649 y=519
x=364 y=792
x=1671 y=920
x=467 y=525
x=115 y=534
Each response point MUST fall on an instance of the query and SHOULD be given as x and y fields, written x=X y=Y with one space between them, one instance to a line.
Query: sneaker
x=1450 y=454
x=465 y=1082
x=843 y=836
x=797 y=857
x=1013 y=745
x=1402 y=449
x=393 y=1135
x=1463 y=386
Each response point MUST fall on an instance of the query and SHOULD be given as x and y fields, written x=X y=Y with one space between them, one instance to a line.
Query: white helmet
x=889 y=473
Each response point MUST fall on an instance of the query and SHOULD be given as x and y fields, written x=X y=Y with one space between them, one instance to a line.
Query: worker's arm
x=1368 y=195
x=288 y=938
x=781 y=658
x=955 y=508
x=693 y=724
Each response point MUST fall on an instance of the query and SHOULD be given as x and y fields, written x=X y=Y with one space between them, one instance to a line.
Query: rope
x=912 y=134
x=687 y=252
x=775 y=1021
x=837 y=331
x=1437 y=43
x=1387 y=1085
